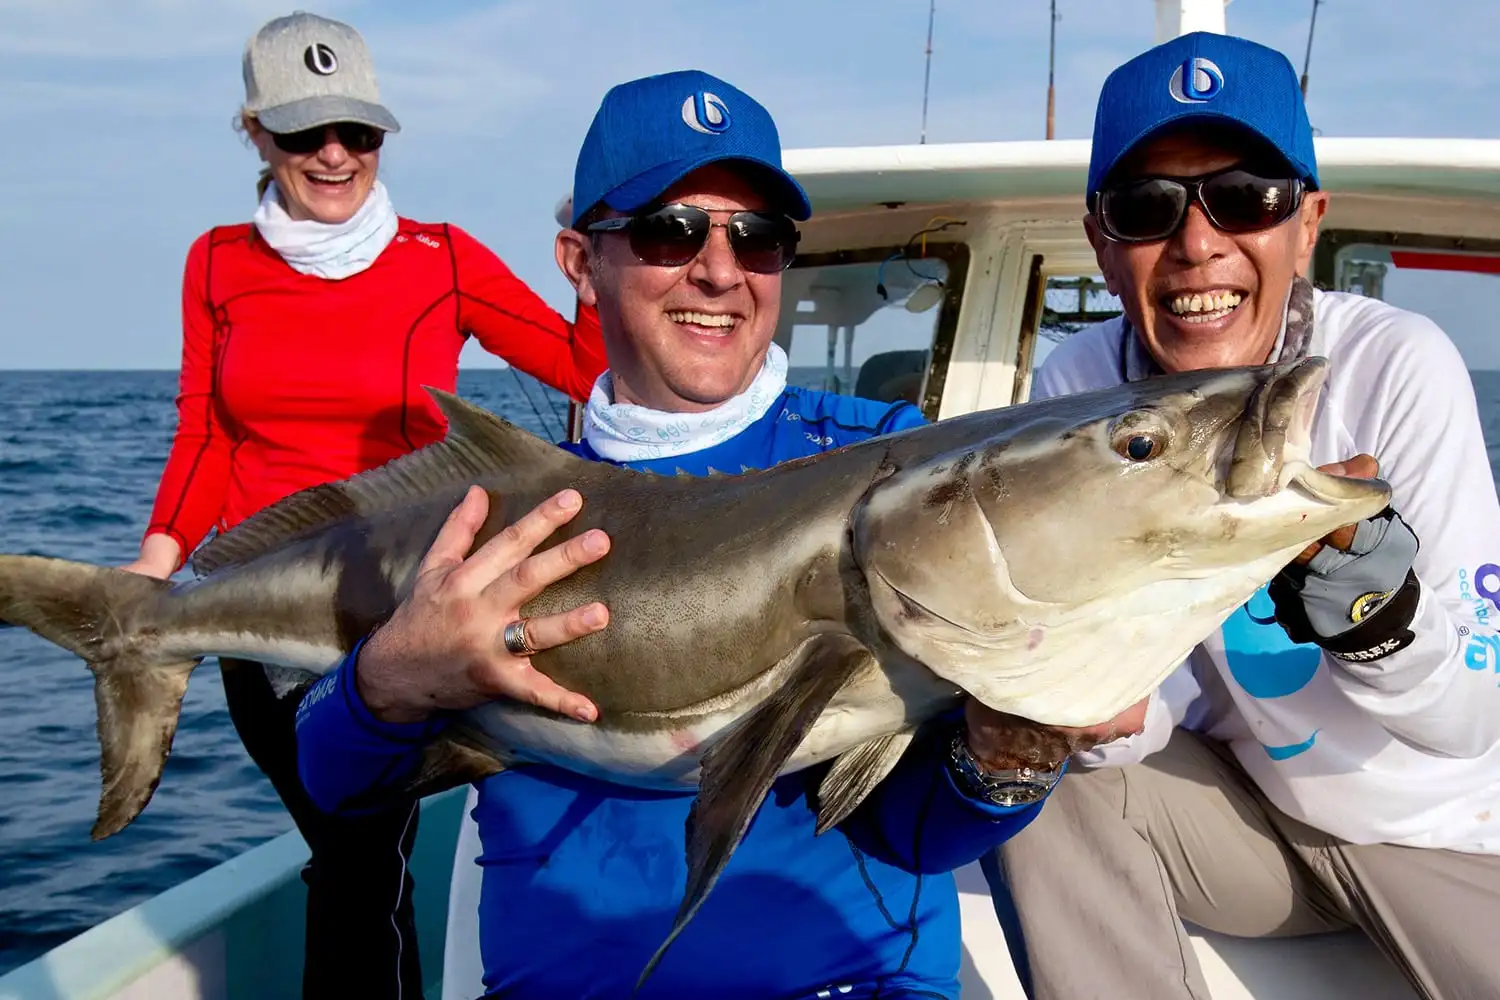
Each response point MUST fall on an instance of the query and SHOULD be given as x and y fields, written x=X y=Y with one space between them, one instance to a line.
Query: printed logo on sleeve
x=422 y=238
x=1481 y=591
x=322 y=689
x=1375 y=652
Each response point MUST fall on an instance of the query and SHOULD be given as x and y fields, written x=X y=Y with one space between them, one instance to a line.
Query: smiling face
x=327 y=185
x=1203 y=298
x=680 y=339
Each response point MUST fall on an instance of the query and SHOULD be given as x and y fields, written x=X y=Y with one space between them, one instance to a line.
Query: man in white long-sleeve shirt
x=1331 y=757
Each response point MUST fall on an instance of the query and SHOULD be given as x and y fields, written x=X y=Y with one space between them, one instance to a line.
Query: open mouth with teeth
x=1203 y=307
x=329 y=182
x=709 y=324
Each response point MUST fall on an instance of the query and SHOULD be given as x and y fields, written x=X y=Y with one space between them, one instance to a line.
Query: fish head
x=1057 y=560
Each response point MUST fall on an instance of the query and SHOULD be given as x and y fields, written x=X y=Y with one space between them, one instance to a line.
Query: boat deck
x=235 y=933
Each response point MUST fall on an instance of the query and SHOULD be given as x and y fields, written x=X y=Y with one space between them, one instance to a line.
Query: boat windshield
x=872 y=322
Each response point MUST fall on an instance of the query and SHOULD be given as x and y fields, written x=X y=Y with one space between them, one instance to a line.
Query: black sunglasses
x=1235 y=200
x=670 y=236
x=356 y=137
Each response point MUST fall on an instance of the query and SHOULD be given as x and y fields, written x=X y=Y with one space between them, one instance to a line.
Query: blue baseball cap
x=1202 y=77
x=650 y=133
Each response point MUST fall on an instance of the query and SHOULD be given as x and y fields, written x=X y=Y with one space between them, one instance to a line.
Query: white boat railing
x=234 y=932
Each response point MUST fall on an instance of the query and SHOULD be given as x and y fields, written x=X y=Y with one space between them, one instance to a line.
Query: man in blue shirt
x=682 y=226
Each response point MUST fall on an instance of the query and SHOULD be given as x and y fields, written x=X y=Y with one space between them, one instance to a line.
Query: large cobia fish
x=1055 y=560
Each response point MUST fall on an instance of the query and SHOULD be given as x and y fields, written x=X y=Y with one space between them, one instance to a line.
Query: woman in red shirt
x=308 y=334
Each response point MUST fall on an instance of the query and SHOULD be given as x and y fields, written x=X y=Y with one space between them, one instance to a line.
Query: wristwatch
x=1018 y=786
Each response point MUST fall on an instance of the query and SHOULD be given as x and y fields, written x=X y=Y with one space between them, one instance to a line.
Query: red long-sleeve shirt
x=289 y=380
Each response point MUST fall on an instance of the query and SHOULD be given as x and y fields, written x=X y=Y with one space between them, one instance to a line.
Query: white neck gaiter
x=624 y=432
x=324 y=249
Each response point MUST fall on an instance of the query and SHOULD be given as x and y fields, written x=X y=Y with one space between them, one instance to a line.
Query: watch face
x=1021 y=786
x=1020 y=794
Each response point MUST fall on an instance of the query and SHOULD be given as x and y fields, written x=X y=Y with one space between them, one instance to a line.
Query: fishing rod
x=1051 y=63
x=927 y=77
x=1307 y=59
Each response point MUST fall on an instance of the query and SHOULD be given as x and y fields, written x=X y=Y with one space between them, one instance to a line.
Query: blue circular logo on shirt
x=1262 y=658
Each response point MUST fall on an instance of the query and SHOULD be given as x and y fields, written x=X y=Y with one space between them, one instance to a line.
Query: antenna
x=1307 y=59
x=1051 y=62
x=927 y=77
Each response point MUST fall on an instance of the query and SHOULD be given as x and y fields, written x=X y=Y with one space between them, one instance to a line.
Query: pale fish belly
x=877 y=701
x=288 y=661
x=312 y=657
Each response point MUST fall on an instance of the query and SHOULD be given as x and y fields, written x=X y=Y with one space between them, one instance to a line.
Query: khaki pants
x=1099 y=879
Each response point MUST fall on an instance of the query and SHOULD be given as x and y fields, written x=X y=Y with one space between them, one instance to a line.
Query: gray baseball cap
x=303 y=71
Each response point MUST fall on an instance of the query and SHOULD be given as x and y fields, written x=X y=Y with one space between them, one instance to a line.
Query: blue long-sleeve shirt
x=582 y=877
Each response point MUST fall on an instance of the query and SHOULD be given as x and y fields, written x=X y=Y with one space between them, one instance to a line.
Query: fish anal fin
x=479 y=447
x=855 y=774
x=454 y=758
x=738 y=771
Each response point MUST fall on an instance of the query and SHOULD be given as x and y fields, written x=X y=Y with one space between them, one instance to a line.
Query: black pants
x=361 y=934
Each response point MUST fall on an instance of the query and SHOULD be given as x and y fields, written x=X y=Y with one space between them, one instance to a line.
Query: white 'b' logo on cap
x=706 y=113
x=1196 y=81
x=321 y=60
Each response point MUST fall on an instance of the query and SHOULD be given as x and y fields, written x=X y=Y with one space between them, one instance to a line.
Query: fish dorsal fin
x=280 y=522
x=478 y=446
x=495 y=443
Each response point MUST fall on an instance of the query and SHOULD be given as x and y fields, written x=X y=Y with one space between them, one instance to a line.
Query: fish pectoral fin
x=738 y=771
x=855 y=774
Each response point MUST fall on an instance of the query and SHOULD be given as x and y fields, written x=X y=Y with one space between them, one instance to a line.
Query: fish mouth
x=1275 y=431
x=1271 y=446
x=1332 y=489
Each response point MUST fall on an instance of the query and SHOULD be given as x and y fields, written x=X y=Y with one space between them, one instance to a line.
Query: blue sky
x=118 y=149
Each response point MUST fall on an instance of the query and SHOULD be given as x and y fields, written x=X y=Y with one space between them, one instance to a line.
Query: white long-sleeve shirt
x=1404 y=750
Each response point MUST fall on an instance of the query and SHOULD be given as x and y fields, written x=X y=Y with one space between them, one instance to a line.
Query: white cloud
x=134 y=30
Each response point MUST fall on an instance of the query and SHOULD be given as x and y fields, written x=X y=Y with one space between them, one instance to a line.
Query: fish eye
x=1141 y=448
x=1140 y=436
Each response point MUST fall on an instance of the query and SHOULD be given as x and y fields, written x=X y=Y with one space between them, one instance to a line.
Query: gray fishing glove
x=1357 y=605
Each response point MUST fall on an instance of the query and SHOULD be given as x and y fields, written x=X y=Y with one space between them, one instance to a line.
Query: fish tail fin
x=102 y=615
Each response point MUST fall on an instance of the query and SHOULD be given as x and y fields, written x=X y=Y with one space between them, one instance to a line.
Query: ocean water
x=80 y=453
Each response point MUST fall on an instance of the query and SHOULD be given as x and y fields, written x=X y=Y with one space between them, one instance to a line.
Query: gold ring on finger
x=517 y=642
